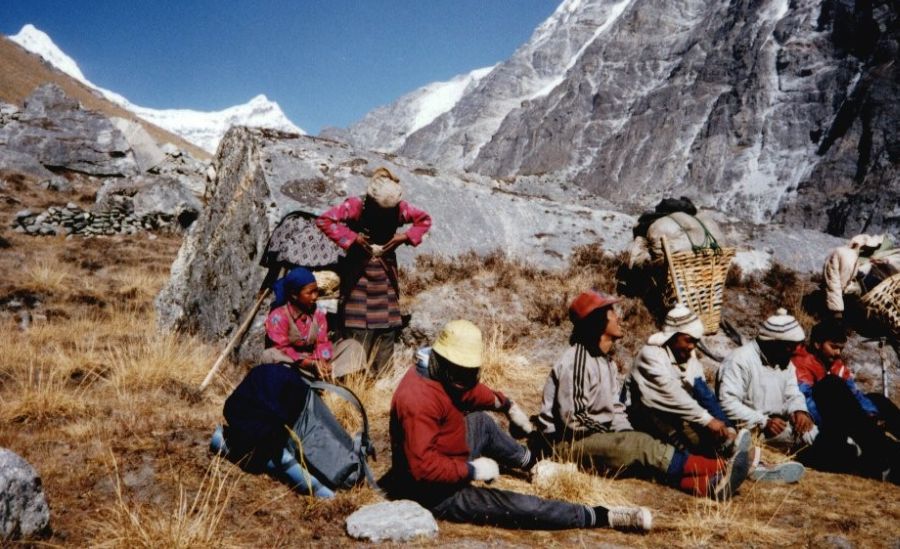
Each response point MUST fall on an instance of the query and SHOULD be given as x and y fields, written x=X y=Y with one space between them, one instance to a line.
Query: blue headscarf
x=290 y=284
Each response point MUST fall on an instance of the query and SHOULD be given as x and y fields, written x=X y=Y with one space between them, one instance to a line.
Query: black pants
x=478 y=505
x=843 y=417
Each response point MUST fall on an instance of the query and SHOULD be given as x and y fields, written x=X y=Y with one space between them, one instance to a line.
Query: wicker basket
x=697 y=279
x=883 y=303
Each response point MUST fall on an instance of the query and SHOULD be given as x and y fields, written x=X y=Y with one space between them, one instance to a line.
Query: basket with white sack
x=696 y=278
x=882 y=303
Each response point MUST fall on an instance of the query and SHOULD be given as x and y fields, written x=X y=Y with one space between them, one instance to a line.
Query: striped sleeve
x=585 y=386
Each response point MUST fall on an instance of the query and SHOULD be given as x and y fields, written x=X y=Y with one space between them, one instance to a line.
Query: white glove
x=486 y=469
x=810 y=436
x=519 y=418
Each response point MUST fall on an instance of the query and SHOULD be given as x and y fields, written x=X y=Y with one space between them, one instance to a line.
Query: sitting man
x=757 y=385
x=440 y=444
x=671 y=400
x=841 y=411
x=581 y=413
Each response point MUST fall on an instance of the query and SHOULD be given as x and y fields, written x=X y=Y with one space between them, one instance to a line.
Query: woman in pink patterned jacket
x=368 y=229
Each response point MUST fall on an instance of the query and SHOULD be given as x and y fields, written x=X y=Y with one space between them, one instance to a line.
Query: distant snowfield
x=204 y=129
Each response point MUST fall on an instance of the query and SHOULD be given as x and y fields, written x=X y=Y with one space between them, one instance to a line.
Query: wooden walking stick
x=234 y=339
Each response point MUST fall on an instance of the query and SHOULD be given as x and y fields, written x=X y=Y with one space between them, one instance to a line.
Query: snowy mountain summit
x=204 y=129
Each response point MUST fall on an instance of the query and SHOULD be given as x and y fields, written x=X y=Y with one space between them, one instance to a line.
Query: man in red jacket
x=441 y=443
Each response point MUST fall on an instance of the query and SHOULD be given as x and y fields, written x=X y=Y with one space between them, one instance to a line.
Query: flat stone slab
x=401 y=520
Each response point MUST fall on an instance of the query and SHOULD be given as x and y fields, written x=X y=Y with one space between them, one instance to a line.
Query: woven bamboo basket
x=883 y=303
x=697 y=279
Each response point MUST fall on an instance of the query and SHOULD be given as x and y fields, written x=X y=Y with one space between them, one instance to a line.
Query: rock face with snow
x=203 y=129
x=770 y=109
x=23 y=507
x=386 y=128
x=58 y=133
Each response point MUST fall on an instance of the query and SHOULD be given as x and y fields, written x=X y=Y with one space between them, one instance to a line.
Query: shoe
x=634 y=519
x=742 y=441
x=725 y=484
x=755 y=458
x=789 y=472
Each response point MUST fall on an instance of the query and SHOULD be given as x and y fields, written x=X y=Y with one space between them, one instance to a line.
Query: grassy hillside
x=24 y=71
x=104 y=406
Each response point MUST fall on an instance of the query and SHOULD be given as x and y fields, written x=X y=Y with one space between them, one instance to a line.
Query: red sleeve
x=334 y=222
x=419 y=218
x=482 y=397
x=420 y=427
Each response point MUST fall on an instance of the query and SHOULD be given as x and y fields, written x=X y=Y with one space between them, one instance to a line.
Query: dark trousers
x=378 y=345
x=672 y=429
x=478 y=505
x=843 y=417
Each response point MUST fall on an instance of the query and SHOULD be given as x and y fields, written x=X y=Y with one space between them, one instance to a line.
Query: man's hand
x=774 y=427
x=485 y=469
x=394 y=242
x=519 y=418
x=802 y=422
x=719 y=430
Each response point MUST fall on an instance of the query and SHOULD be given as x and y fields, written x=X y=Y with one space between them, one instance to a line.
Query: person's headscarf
x=290 y=284
x=384 y=188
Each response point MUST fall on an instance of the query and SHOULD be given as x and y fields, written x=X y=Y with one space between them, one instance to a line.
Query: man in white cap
x=441 y=443
x=757 y=384
x=669 y=395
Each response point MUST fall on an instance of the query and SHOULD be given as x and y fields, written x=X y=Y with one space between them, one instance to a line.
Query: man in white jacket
x=669 y=397
x=842 y=267
x=757 y=384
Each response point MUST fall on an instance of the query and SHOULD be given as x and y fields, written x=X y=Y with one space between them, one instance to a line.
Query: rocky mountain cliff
x=771 y=109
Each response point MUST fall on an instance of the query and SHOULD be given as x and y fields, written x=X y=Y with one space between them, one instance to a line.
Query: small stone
x=72 y=206
x=401 y=520
x=23 y=507
x=21 y=214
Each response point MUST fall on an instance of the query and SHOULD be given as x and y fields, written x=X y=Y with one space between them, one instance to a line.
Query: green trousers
x=636 y=452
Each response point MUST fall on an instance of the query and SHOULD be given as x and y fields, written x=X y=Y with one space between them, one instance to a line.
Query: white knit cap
x=384 y=187
x=679 y=320
x=781 y=327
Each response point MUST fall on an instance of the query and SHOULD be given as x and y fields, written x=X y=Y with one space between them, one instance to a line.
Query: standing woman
x=368 y=229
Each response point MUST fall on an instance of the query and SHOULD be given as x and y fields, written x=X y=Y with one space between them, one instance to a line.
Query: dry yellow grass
x=191 y=520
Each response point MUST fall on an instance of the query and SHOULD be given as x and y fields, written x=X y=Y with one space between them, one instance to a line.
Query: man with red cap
x=581 y=412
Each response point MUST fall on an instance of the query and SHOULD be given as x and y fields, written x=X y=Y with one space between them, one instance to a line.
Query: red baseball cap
x=589 y=301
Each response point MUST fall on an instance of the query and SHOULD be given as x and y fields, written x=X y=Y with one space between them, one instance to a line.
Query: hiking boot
x=789 y=472
x=633 y=519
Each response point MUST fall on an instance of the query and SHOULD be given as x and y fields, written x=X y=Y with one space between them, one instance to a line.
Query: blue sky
x=326 y=62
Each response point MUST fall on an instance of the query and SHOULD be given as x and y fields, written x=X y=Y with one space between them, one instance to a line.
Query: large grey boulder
x=23 y=508
x=401 y=520
x=54 y=129
x=149 y=195
x=147 y=153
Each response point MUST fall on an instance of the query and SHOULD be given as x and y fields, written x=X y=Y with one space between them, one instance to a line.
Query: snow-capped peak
x=36 y=41
x=204 y=129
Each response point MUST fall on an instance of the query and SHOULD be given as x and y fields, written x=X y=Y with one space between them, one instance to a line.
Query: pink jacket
x=334 y=222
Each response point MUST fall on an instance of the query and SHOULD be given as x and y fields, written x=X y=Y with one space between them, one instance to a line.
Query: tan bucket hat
x=460 y=343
